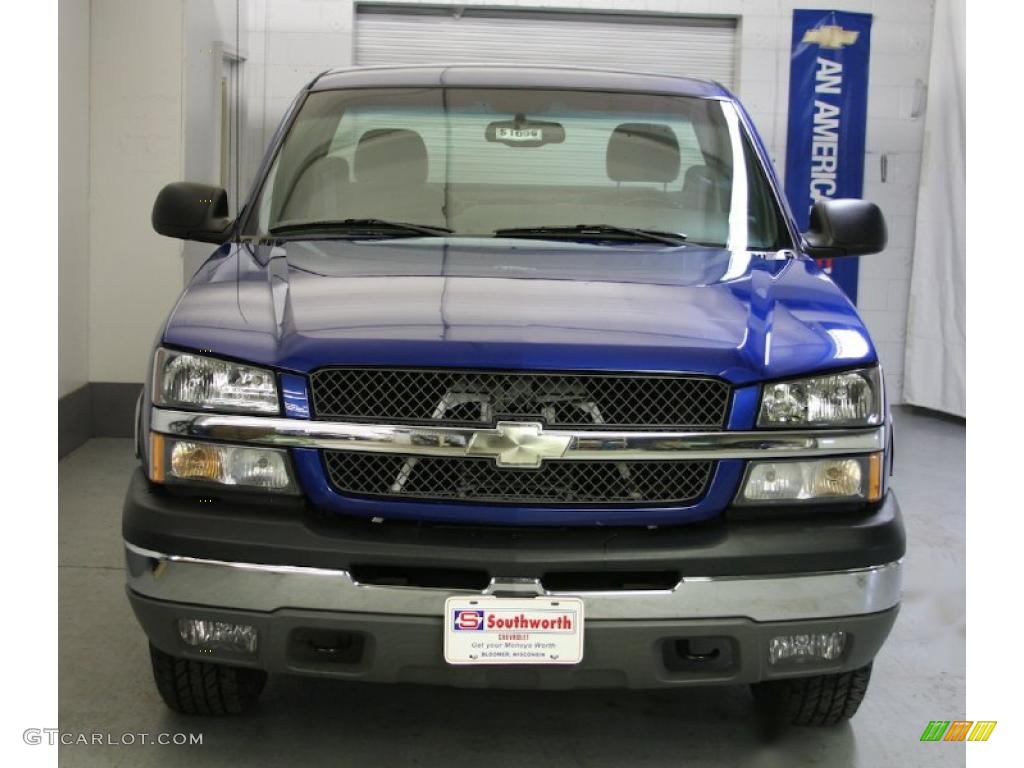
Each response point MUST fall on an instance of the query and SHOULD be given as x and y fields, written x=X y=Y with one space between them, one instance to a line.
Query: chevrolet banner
x=828 y=99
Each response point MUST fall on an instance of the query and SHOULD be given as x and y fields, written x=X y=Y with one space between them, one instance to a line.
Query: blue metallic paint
x=502 y=304
x=295 y=396
x=743 y=414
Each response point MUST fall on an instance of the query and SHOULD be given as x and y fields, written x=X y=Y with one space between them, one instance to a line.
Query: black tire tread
x=819 y=700
x=204 y=688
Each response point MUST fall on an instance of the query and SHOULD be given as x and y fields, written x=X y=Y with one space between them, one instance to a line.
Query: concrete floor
x=105 y=683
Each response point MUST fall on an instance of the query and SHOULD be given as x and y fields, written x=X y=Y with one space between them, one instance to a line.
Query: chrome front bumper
x=267 y=588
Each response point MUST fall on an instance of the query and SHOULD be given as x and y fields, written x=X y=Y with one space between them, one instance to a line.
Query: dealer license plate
x=503 y=630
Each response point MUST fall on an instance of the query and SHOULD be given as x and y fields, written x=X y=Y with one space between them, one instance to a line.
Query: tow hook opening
x=320 y=646
x=700 y=654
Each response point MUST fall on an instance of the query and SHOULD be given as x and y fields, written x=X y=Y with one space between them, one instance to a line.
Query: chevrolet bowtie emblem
x=831 y=36
x=518 y=444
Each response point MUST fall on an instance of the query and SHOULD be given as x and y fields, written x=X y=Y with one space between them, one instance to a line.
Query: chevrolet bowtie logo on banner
x=828 y=104
x=830 y=37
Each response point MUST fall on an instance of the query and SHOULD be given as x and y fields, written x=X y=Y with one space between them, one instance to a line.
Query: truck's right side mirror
x=192 y=212
x=845 y=228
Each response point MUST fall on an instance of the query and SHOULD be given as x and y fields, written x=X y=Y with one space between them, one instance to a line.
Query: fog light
x=837 y=477
x=221 y=635
x=191 y=461
x=823 y=646
x=852 y=479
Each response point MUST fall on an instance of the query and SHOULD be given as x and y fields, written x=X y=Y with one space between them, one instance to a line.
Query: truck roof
x=515 y=76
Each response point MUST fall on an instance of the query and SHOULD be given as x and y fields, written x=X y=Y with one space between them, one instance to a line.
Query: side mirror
x=845 y=228
x=192 y=212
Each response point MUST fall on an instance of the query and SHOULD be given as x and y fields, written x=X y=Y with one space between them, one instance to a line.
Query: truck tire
x=204 y=688
x=817 y=700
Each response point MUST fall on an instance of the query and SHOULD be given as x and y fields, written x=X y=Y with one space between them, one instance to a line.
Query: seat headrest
x=643 y=152
x=334 y=167
x=705 y=190
x=391 y=156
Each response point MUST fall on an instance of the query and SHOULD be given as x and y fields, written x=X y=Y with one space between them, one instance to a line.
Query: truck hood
x=519 y=304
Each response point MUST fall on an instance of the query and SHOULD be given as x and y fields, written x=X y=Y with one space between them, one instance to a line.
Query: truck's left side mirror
x=845 y=228
x=192 y=212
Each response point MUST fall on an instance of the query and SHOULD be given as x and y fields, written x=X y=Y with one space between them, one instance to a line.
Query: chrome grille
x=626 y=483
x=579 y=400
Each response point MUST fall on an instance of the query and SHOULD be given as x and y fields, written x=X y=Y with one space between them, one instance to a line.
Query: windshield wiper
x=359 y=227
x=594 y=232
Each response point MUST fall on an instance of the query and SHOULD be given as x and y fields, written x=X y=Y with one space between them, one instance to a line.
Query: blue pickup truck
x=515 y=377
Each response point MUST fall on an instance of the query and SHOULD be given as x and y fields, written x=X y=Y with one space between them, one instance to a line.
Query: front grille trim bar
x=454 y=442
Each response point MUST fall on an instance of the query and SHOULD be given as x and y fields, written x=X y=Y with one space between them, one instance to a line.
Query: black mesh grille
x=556 y=482
x=473 y=398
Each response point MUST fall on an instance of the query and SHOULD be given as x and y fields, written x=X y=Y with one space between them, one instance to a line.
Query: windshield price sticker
x=519 y=134
x=498 y=630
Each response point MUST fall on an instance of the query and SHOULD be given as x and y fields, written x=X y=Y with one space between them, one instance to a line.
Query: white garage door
x=694 y=47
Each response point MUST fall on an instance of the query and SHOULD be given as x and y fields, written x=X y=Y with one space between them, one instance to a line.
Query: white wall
x=136 y=147
x=211 y=27
x=303 y=37
x=936 y=361
x=73 y=196
x=208 y=25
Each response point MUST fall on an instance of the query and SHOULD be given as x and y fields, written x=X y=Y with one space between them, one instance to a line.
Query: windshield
x=478 y=162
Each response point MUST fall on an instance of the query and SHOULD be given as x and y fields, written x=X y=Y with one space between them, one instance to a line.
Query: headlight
x=191 y=461
x=194 y=381
x=848 y=399
x=844 y=478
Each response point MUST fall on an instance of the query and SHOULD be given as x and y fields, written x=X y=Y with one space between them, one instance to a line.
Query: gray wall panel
x=676 y=45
